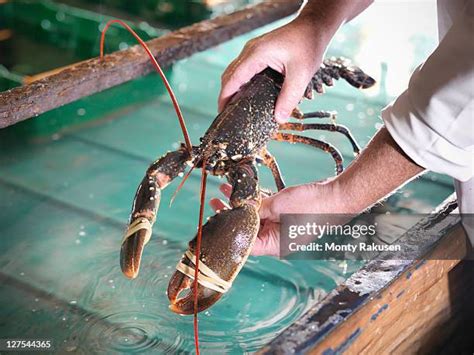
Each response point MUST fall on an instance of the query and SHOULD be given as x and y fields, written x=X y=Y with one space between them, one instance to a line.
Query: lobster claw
x=137 y=236
x=227 y=239
x=145 y=207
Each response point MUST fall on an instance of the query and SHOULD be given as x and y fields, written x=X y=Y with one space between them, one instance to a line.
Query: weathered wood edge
x=92 y=76
x=304 y=335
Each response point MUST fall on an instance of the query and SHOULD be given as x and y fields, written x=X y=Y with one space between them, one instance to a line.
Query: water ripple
x=133 y=315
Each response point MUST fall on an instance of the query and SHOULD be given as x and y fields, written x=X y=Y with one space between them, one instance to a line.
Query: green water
x=65 y=195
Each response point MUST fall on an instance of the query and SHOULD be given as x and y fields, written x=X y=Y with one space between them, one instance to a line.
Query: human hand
x=289 y=200
x=295 y=50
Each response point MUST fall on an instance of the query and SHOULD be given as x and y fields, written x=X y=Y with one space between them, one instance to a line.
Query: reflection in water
x=67 y=244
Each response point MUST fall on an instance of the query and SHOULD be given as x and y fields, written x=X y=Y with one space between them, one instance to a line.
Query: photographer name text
x=335 y=247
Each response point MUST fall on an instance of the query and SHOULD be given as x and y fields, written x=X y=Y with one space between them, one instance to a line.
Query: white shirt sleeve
x=433 y=120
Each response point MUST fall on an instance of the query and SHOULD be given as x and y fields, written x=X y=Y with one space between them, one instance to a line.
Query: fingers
x=258 y=248
x=266 y=209
x=268 y=240
x=217 y=204
x=291 y=93
x=239 y=72
x=226 y=189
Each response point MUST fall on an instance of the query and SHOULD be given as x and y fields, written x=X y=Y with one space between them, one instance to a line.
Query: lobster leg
x=319 y=114
x=335 y=69
x=332 y=127
x=316 y=114
x=227 y=239
x=293 y=138
x=145 y=206
x=270 y=162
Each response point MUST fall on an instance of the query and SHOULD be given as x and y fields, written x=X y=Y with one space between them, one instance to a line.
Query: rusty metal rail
x=92 y=76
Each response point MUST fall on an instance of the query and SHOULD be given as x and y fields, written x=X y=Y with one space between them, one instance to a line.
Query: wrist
x=319 y=33
x=324 y=18
x=343 y=198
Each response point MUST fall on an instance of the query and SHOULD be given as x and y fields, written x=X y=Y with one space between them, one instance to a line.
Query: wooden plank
x=92 y=76
x=410 y=315
x=28 y=79
x=398 y=303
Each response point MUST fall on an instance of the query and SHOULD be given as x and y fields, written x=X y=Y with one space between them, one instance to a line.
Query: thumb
x=291 y=93
x=271 y=207
x=267 y=242
x=265 y=210
x=236 y=75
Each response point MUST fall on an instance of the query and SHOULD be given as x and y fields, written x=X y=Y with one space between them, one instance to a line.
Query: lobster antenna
x=197 y=252
x=158 y=69
x=181 y=185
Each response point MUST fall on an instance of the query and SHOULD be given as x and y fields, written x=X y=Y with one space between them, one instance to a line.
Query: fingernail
x=282 y=116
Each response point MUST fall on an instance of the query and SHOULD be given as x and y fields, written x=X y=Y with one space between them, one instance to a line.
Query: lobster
x=234 y=144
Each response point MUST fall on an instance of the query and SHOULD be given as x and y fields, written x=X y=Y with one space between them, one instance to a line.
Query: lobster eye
x=210 y=164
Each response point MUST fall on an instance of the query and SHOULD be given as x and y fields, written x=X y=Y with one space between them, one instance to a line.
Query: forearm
x=329 y=15
x=381 y=168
